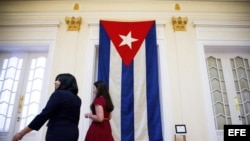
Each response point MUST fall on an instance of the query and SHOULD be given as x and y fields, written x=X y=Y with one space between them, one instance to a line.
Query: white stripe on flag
x=140 y=108
x=115 y=91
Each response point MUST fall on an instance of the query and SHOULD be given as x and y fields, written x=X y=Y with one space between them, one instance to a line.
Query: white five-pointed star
x=127 y=40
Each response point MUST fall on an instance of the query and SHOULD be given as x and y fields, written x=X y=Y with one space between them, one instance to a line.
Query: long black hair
x=67 y=82
x=102 y=90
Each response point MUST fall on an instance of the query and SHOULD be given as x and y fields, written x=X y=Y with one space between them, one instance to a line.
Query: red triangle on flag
x=127 y=37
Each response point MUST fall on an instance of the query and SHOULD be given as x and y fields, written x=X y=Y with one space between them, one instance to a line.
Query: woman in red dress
x=102 y=106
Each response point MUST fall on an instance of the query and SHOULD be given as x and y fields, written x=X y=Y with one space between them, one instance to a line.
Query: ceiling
x=139 y=0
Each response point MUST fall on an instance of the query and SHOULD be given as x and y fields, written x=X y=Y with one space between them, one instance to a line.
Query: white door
x=229 y=79
x=21 y=79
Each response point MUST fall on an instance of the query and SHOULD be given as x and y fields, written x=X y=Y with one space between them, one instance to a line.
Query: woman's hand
x=87 y=115
x=18 y=136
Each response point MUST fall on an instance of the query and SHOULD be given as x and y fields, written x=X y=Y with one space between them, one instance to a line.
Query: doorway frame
x=233 y=35
x=25 y=36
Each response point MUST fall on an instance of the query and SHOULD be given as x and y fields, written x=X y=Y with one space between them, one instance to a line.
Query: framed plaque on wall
x=180 y=129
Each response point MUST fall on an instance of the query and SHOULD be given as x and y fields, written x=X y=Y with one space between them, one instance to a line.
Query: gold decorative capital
x=179 y=23
x=73 y=23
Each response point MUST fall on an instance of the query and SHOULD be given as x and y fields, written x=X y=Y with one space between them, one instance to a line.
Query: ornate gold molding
x=76 y=6
x=73 y=23
x=177 y=7
x=179 y=23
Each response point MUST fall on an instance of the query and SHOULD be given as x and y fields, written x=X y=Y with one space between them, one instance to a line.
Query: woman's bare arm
x=99 y=117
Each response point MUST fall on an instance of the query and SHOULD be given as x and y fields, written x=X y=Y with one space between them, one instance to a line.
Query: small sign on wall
x=180 y=129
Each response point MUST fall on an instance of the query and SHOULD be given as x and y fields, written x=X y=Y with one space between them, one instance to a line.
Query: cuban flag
x=128 y=63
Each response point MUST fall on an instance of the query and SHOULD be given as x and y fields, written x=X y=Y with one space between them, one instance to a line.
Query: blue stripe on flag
x=153 y=103
x=104 y=56
x=127 y=103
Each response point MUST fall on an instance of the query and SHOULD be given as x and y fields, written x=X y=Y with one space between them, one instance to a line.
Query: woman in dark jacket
x=62 y=112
